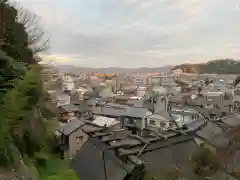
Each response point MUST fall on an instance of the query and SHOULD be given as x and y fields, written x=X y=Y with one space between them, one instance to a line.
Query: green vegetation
x=55 y=169
x=221 y=66
x=205 y=162
x=26 y=125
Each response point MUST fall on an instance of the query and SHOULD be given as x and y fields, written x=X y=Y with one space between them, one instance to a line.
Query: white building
x=141 y=91
x=63 y=99
x=177 y=72
x=140 y=80
x=67 y=83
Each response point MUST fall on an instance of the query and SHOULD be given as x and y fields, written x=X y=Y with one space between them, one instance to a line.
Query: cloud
x=133 y=33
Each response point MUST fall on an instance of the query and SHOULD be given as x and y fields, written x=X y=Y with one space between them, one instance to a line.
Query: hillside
x=220 y=66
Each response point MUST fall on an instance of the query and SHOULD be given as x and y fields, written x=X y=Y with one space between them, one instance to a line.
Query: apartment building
x=140 y=79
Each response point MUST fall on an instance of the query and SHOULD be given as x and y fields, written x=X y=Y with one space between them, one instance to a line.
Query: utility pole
x=104 y=166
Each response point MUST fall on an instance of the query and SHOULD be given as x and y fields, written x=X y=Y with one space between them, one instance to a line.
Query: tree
x=219 y=66
x=22 y=95
x=21 y=30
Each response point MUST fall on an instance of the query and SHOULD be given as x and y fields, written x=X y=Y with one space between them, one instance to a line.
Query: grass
x=53 y=166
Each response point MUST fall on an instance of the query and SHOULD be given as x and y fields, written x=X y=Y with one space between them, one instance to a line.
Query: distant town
x=127 y=119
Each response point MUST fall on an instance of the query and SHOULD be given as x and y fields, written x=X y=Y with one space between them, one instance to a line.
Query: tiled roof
x=138 y=112
x=151 y=150
x=71 y=126
x=109 y=111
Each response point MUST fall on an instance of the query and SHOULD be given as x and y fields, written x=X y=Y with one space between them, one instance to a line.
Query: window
x=152 y=122
x=194 y=117
x=130 y=121
x=64 y=140
x=79 y=138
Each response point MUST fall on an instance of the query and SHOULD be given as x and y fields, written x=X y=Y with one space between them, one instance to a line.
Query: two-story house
x=71 y=138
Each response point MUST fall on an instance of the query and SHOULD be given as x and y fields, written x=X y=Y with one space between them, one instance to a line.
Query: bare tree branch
x=37 y=39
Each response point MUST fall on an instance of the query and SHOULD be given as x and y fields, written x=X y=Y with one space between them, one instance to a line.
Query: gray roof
x=214 y=135
x=116 y=105
x=162 y=161
x=91 y=102
x=232 y=121
x=70 y=127
x=69 y=108
x=162 y=114
x=109 y=111
x=89 y=163
x=137 y=112
x=163 y=150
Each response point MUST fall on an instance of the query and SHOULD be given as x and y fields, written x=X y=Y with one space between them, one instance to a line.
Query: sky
x=139 y=33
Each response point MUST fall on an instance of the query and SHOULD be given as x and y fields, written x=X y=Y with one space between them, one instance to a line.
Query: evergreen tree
x=22 y=96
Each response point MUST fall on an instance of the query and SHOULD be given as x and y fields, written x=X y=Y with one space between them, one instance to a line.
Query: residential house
x=177 y=72
x=129 y=90
x=141 y=90
x=84 y=111
x=160 y=121
x=96 y=161
x=217 y=135
x=123 y=157
x=121 y=99
x=67 y=112
x=110 y=111
x=209 y=100
x=71 y=138
x=63 y=98
x=135 y=118
x=124 y=154
x=67 y=83
x=140 y=80
x=80 y=92
x=184 y=117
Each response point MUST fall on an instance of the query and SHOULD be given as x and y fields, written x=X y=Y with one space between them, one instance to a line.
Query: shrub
x=205 y=162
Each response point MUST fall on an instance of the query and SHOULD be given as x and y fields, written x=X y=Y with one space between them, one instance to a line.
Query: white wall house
x=141 y=91
x=63 y=99
x=67 y=83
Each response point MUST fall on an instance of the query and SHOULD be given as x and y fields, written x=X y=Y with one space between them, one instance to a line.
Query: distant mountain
x=219 y=66
x=75 y=69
